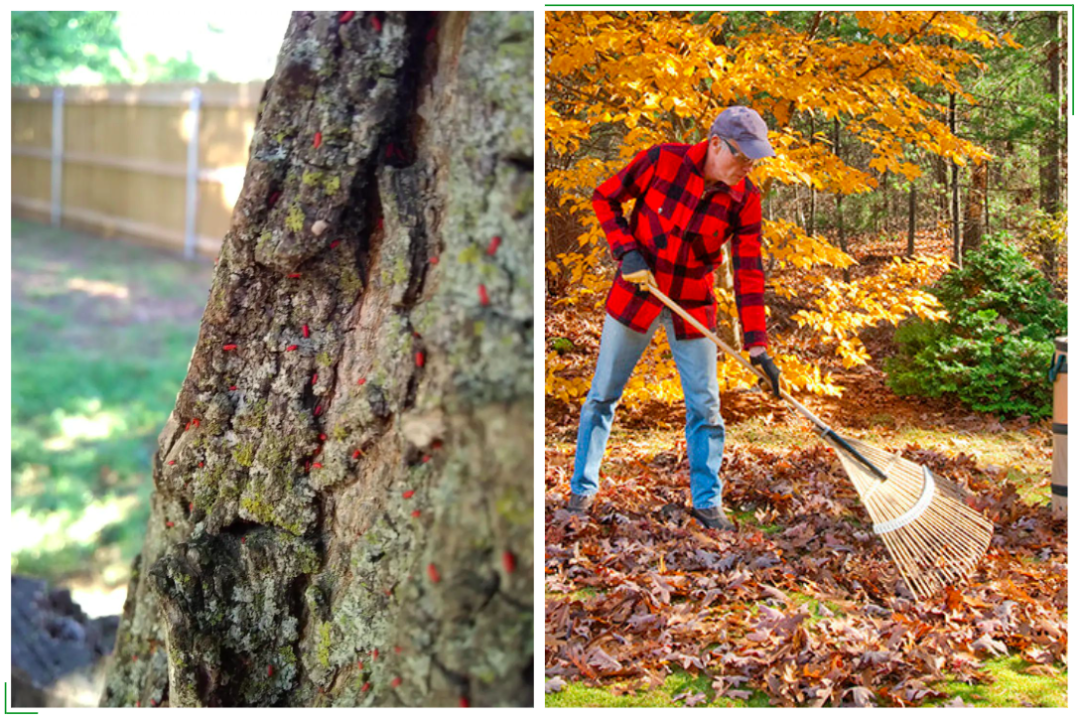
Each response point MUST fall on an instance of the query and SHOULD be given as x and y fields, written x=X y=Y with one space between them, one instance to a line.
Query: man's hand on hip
x=761 y=359
x=634 y=269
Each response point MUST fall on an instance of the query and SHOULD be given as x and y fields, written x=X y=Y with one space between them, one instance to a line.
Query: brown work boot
x=579 y=505
x=713 y=518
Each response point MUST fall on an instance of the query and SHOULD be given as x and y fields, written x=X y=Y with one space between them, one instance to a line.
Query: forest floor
x=101 y=334
x=801 y=605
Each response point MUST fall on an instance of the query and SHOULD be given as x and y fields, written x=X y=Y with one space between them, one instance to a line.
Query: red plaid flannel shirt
x=680 y=228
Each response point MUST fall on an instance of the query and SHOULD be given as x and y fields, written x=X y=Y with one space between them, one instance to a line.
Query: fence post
x=57 y=155
x=192 y=174
x=1059 y=474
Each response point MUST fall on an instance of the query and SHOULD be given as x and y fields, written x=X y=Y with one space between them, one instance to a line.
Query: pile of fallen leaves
x=803 y=604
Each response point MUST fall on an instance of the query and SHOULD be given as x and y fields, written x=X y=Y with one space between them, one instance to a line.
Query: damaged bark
x=342 y=507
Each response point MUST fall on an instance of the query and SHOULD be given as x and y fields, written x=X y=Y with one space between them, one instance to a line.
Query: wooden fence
x=161 y=163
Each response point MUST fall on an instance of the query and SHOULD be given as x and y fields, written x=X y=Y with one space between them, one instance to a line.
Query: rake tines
x=932 y=535
x=934 y=538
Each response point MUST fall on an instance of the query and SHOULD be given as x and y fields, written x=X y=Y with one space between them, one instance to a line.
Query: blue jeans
x=695 y=359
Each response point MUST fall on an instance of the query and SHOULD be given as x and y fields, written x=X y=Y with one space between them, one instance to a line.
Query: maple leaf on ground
x=958 y=702
x=988 y=644
x=860 y=696
x=689 y=699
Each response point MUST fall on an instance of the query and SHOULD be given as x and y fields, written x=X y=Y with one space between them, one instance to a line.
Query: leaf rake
x=932 y=535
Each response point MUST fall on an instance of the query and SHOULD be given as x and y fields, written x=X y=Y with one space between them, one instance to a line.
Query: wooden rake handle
x=736 y=355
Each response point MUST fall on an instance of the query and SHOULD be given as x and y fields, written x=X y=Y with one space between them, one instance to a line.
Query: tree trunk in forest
x=342 y=507
x=811 y=227
x=1049 y=149
x=911 y=221
x=973 y=209
x=954 y=205
x=842 y=238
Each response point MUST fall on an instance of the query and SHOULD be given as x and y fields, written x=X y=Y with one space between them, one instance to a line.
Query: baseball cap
x=744 y=126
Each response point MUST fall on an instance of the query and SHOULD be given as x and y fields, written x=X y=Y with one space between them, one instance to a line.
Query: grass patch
x=101 y=335
x=576 y=695
x=1012 y=686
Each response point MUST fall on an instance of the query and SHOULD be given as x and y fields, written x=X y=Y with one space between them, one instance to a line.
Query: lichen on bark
x=335 y=528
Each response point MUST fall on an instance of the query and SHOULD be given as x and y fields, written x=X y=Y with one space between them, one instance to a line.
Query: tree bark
x=973 y=209
x=342 y=507
x=911 y=220
x=1050 y=148
x=954 y=205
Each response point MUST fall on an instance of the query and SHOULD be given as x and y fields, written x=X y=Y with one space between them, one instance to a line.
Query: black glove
x=765 y=363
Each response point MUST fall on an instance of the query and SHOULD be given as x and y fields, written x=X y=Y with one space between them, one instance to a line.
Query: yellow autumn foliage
x=620 y=82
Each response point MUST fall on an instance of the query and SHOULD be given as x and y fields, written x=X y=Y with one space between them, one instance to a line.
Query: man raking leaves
x=688 y=200
x=934 y=538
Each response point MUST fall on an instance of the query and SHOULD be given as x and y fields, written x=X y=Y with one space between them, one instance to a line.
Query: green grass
x=1012 y=687
x=101 y=334
x=576 y=694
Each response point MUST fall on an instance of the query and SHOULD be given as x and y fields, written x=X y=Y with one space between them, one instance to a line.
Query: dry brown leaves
x=640 y=590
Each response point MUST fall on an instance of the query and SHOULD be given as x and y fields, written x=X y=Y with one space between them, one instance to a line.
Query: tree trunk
x=954 y=205
x=841 y=236
x=1049 y=149
x=911 y=221
x=342 y=507
x=973 y=209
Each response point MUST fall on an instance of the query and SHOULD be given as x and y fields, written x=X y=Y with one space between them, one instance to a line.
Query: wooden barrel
x=1059 y=476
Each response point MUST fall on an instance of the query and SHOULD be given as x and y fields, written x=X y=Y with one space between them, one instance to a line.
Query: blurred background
x=129 y=139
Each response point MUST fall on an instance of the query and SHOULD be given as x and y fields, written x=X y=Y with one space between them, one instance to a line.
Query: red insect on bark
x=269 y=670
x=433 y=573
x=201 y=464
x=169 y=524
x=379 y=224
x=365 y=687
x=396 y=682
x=356 y=454
x=294 y=275
x=419 y=359
x=318 y=139
x=361 y=382
x=347 y=16
x=463 y=702
x=335 y=244
x=375 y=654
x=408 y=494
x=397 y=649
x=229 y=346
x=243 y=539
x=306 y=331
x=425 y=459
x=172 y=463
x=318 y=410
x=153 y=702
x=322 y=436
x=314 y=379
x=292 y=347
x=360 y=665
x=434 y=260
x=482 y=292
x=376 y=23
x=272 y=201
x=493 y=245
x=509 y=561
x=190 y=507
x=316 y=465
x=416 y=513
x=232 y=388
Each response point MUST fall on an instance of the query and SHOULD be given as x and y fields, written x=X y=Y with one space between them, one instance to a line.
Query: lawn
x=101 y=334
